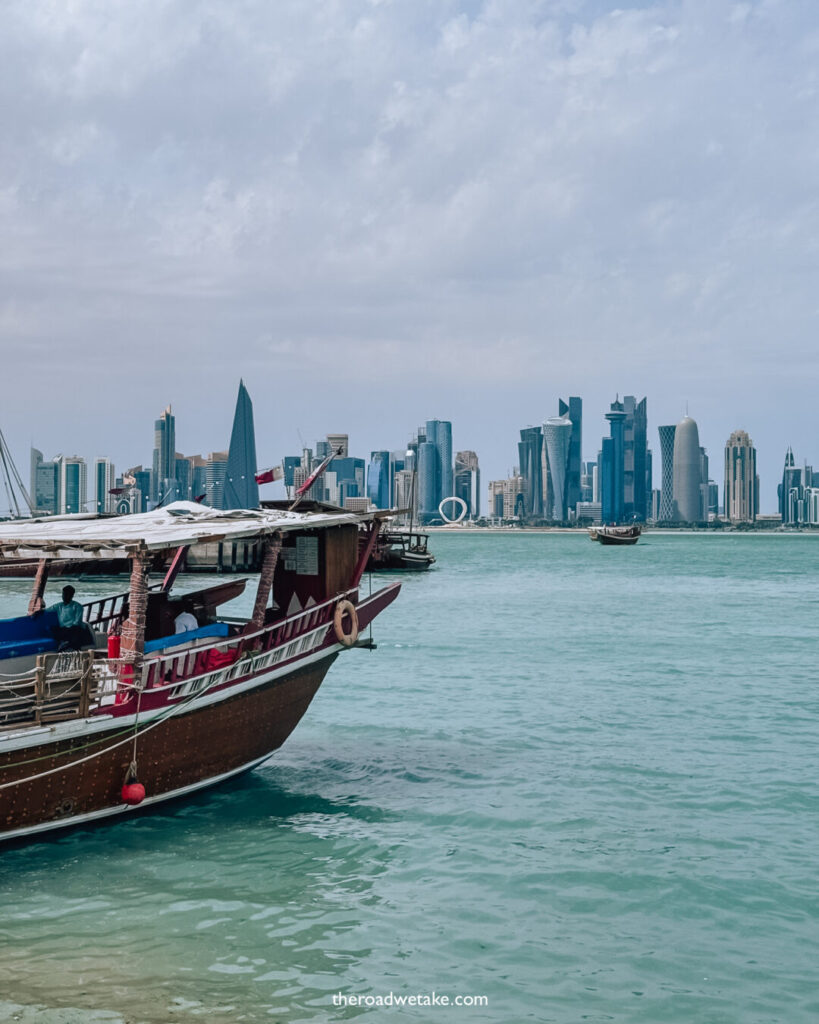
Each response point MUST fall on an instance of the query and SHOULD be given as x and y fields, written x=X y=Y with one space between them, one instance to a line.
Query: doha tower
x=687 y=472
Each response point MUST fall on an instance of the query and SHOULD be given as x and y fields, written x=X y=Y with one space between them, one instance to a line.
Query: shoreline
x=647 y=532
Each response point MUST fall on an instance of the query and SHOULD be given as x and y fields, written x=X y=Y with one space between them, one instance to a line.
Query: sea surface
x=580 y=783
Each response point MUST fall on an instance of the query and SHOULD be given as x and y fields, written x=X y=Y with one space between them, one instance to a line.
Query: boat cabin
x=129 y=642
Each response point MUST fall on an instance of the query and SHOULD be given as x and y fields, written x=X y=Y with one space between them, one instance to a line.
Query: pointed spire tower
x=241 y=489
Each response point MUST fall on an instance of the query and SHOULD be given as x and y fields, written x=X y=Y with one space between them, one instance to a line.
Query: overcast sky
x=382 y=212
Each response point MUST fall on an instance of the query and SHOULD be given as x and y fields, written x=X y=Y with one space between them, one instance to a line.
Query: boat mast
x=12 y=482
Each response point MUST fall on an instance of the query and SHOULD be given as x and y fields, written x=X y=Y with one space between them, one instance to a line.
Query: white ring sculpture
x=460 y=515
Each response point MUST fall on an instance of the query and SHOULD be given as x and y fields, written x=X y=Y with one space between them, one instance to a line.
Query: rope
x=128 y=739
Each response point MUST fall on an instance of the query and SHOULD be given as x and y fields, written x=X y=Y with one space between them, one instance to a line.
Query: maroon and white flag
x=308 y=483
x=268 y=476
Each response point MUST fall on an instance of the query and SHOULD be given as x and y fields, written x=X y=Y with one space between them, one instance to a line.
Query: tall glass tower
x=429 y=485
x=635 y=460
x=439 y=433
x=241 y=489
x=530 y=456
x=667 y=489
x=612 y=466
x=164 y=465
x=378 y=479
x=557 y=437
x=573 y=409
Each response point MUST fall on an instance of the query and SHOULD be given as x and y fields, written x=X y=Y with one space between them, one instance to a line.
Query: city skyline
x=165 y=434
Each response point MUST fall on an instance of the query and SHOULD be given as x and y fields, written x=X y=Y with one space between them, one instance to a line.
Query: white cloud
x=519 y=198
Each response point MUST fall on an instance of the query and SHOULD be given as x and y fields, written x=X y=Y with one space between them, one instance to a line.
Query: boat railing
x=243 y=653
x=72 y=684
x=101 y=613
x=62 y=686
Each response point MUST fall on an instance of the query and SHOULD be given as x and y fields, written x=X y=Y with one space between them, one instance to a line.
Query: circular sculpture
x=461 y=514
x=345 y=608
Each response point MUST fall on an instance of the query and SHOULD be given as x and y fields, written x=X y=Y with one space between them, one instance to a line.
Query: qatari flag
x=268 y=476
x=308 y=483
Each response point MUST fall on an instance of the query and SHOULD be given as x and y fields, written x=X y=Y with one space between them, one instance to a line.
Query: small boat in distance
x=399 y=551
x=616 y=534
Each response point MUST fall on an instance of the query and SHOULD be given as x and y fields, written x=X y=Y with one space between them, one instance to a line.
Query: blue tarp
x=215 y=629
x=27 y=634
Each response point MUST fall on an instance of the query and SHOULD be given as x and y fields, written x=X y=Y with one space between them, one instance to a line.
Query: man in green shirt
x=70 y=630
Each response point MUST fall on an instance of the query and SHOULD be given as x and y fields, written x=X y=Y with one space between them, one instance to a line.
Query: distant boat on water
x=399 y=551
x=616 y=534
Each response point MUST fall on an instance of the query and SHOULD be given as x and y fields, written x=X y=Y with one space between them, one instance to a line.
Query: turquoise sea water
x=581 y=782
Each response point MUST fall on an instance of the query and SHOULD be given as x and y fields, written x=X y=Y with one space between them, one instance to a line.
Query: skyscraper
x=612 y=461
x=379 y=479
x=557 y=434
x=667 y=489
x=635 y=460
x=334 y=442
x=73 y=484
x=530 y=452
x=573 y=409
x=45 y=483
x=439 y=433
x=468 y=482
x=687 y=472
x=164 y=462
x=241 y=489
x=429 y=486
x=215 y=473
x=790 y=488
x=104 y=479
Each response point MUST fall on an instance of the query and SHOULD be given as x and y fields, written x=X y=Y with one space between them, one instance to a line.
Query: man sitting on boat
x=70 y=630
x=186 y=620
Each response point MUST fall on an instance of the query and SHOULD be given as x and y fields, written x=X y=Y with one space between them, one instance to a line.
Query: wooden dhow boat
x=615 y=534
x=133 y=713
x=400 y=551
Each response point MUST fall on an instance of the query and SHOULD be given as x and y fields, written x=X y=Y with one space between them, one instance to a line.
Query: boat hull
x=186 y=752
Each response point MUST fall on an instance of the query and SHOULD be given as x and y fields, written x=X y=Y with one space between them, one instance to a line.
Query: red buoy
x=133 y=793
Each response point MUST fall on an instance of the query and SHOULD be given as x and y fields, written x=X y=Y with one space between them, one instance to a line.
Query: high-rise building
x=241 y=489
x=741 y=493
x=164 y=462
x=506 y=497
x=611 y=463
x=636 y=485
x=468 y=482
x=573 y=409
x=705 y=476
x=667 y=488
x=334 y=442
x=530 y=453
x=790 y=490
x=379 y=479
x=429 y=481
x=687 y=472
x=45 y=484
x=557 y=434
x=73 y=484
x=104 y=482
x=215 y=473
x=406 y=493
x=587 y=482
x=439 y=433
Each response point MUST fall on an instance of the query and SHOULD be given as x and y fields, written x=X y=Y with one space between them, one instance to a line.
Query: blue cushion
x=216 y=629
x=27 y=634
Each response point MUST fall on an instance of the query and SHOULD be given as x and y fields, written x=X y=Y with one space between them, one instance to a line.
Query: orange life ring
x=345 y=608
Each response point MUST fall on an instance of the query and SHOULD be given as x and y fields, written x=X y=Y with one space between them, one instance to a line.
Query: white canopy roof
x=178 y=524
